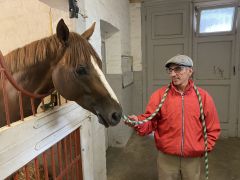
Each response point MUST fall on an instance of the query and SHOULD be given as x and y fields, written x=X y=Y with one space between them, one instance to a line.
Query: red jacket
x=177 y=126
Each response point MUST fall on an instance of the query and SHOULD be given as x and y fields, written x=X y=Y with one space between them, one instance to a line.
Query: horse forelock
x=80 y=52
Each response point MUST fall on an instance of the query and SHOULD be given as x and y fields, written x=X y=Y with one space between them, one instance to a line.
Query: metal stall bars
x=61 y=161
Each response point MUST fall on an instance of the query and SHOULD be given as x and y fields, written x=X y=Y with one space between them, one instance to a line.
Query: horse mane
x=48 y=48
x=31 y=54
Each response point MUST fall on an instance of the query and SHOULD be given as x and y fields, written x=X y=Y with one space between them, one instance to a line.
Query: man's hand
x=132 y=117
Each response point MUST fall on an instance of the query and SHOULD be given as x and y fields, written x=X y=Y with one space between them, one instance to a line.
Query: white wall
x=136 y=26
x=25 y=21
x=117 y=14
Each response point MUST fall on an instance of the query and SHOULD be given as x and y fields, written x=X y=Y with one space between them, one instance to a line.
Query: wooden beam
x=135 y=1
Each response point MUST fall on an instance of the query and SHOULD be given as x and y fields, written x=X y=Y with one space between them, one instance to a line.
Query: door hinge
x=234 y=70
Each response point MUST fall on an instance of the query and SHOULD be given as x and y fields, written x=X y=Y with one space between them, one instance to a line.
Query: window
x=216 y=20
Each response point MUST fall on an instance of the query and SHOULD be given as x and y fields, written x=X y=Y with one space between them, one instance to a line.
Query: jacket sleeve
x=212 y=122
x=150 y=126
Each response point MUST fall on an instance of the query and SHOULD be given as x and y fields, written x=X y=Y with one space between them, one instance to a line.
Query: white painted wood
x=87 y=149
x=214 y=3
x=238 y=69
x=157 y=2
x=24 y=141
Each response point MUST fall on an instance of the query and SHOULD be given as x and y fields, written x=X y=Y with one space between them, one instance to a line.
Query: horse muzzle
x=113 y=119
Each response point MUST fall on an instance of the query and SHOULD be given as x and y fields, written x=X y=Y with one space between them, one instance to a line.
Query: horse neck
x=35 y=75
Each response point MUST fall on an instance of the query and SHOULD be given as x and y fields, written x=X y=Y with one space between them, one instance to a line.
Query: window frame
x=198 y=10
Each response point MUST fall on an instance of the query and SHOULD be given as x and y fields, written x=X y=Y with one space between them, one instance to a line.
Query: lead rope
x=134 y=123
x=204 y=132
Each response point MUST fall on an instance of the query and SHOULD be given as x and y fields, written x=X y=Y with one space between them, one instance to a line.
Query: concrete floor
x=137 y=161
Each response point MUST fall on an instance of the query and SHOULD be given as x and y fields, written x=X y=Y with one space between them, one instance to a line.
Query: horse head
x=77 y=76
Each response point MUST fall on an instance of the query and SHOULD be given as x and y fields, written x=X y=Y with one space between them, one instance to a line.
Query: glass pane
x=216 y=20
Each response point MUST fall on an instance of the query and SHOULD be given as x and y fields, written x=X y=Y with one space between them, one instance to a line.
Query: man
x=177 y=127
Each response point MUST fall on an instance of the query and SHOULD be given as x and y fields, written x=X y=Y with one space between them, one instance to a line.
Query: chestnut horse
x=67 y=62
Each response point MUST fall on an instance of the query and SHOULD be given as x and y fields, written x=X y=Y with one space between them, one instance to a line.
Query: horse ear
x=88 y=33
x=62 y=31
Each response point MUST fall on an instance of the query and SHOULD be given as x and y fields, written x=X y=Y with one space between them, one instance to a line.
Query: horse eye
x=81 y=70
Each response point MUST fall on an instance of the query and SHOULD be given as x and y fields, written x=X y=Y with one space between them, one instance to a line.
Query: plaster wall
x=25 y=21
x=135 y=35
x=136 y=50
x=115 y=13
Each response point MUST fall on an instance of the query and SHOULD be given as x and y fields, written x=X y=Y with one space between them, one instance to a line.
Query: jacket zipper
x=182 y=143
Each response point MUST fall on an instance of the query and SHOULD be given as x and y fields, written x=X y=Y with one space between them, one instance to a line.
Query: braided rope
x=204 y=132
x=134 y=123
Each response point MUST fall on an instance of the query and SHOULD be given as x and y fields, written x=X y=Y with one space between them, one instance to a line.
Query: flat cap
x=180 y=60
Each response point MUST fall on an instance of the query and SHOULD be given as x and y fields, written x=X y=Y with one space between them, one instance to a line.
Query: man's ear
x=190 y=70
x=62 y=31
x=88 y=33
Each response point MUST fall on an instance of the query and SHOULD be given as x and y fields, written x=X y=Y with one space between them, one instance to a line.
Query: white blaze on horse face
x=103 y=79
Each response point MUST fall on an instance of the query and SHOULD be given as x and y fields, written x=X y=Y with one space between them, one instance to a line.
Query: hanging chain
x=134 y=123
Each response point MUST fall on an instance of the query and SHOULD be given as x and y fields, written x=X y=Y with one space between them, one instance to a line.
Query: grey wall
x=137 y=93
x=118 y=136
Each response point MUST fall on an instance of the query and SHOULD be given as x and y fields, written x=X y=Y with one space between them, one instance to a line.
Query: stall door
x=215 y=59
x=166 y=30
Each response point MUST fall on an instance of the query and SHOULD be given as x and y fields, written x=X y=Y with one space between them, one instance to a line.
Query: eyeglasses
x=176 y=69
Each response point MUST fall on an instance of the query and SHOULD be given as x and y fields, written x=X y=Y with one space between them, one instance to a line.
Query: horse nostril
x=116 y=116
